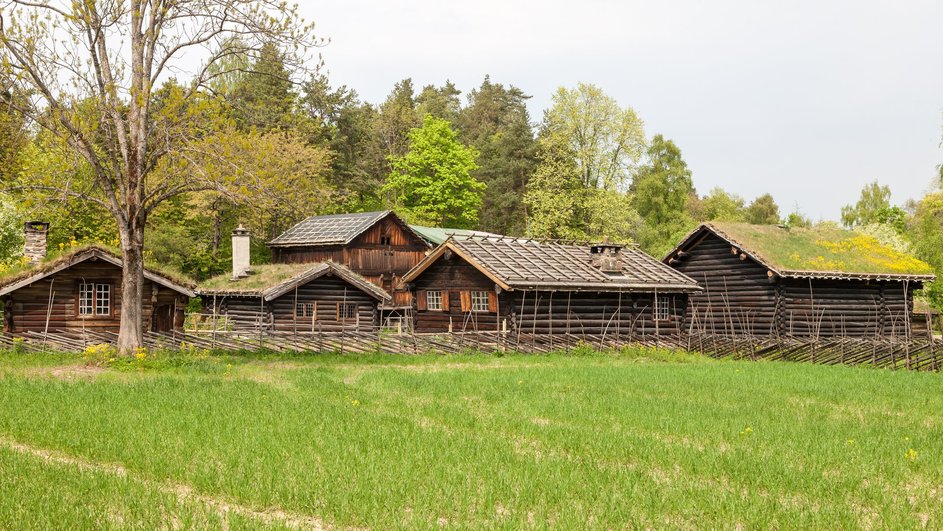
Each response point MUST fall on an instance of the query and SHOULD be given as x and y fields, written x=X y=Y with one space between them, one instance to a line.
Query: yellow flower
x=747 y=431
x=140 y=353
x=911 y=455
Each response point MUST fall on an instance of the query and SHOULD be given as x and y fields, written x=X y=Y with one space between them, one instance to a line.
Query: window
x=386 y=240
x=662 y=307
x=94 y=299
x=434 y=300
x=479 y=301
x=304 y=309
x=346 y=312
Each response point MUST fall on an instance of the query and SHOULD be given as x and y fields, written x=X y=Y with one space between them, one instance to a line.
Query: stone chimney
x=240 y=252
x=34 y=248
x=607 y=257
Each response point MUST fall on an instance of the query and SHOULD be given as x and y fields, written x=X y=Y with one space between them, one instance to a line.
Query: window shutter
x=421 y=300
x=466 y=301
x=492 y=302
x=445 y=301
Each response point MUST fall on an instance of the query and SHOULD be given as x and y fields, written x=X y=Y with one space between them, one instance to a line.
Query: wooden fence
x=914 y=354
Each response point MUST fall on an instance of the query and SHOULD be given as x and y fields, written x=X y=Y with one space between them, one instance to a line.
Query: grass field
x=636 y=439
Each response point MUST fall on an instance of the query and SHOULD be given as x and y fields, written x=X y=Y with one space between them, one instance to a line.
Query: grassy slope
x=822 y=249
x=482 y=442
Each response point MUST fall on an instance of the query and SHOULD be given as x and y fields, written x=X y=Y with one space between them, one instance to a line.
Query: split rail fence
x=921 y=354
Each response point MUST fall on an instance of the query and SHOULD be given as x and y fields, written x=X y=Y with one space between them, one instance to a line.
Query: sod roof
x=437 y=235
x=270 y=281
x=820 y=252
x=14 y=278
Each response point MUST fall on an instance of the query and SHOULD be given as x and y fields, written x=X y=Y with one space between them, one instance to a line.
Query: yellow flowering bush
x=99 y=354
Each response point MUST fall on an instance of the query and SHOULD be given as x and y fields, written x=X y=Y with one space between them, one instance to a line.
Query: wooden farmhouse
x=379 y=246
x=767 y=280
x=502 y=284
x=81 y=290
x=296 y=298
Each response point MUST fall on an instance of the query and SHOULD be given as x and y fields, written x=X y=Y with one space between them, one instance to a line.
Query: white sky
x=807 y=100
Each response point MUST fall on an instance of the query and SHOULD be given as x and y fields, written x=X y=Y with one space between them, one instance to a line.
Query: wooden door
x=163 y=320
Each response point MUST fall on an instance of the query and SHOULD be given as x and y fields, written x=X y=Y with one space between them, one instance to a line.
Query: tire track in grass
x=183 y=492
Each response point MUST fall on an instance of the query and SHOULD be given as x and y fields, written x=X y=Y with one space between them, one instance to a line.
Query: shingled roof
x=516 y=264
x=437 y=235
x=333 y=229
x=825 y=252
x=271 y=281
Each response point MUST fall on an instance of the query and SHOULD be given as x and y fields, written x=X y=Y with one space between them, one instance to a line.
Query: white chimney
x=240 y=252
x=34 y=246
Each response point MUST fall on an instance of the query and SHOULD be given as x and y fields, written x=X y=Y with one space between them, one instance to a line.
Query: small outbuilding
x=768 y=280
x=81 y=290
x=516 y=285
x=297 y=298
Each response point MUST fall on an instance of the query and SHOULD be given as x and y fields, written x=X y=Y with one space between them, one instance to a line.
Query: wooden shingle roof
x=334 y=229
x=527 y=264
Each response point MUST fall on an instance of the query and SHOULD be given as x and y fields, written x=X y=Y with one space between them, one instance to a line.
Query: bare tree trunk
x=131 y=329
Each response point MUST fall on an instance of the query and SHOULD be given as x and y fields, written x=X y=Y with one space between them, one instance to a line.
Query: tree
x=873 y=200
x=442 y=102
x=719 y=205
x=14 y=135
x=395 y=118
x=763 y=211
x=606 y=140
x=926 y=232
x=555 y=195
x=661 y=190
x=263 y=97
x=95 y=95
x=344 y=123
x=497 y=124
x=561 y=207
x=432 y=182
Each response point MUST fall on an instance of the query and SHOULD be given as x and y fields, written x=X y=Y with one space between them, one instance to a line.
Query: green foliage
x=497 y=124
x=263 y=98
x=661 y=191
x=432 y=182
x=762 y=211
x=606 y=140
x=719 y=205
x=11 y=230
x=442 y=102
x=873 y=203
x=926 y=232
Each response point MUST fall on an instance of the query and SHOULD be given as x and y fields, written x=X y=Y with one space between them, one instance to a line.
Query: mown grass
x=637 y=439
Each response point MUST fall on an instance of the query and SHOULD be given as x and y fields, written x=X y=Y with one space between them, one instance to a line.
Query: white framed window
x=94 y=299
x=304 y=309
x=662 y=309
x=346 y=312
x=479 y=301
x=434 y=300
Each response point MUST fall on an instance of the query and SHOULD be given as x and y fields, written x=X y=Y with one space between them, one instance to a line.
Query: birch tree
x=90 y=69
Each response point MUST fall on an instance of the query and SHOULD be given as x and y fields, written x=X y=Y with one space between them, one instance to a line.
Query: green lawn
x=602 y=441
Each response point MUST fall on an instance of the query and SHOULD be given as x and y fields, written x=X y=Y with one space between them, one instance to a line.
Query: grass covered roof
x=821 y=249
x=260 y=277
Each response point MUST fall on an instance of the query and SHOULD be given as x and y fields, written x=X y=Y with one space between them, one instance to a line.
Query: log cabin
x=379 y=246
x=81 y=290
x=525 y=286
x=768 y=280
x=296 y=298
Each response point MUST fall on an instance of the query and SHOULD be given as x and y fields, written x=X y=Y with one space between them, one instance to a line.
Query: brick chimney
x=240 y=252
x=34 y=247
x=606 y=257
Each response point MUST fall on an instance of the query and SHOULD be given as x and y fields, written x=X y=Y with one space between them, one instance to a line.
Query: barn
x=297 y=298
x=516 y=285
x=81 y=290
x=768 y=280
x=379 y=246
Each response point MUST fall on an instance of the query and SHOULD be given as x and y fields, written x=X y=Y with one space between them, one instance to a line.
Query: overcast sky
x=807 y=100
